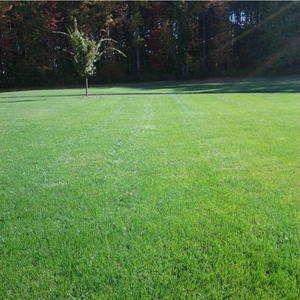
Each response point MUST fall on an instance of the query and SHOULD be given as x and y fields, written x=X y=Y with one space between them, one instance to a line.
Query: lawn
x=151 y=191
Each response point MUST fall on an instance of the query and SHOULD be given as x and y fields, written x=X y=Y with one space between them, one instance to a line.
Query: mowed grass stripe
x=190 y=196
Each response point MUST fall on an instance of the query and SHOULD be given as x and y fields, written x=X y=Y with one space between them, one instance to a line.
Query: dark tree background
x=162 y=40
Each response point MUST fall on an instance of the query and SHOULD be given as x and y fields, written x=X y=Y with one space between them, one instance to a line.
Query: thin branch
x=110 y=49
x=60 y=32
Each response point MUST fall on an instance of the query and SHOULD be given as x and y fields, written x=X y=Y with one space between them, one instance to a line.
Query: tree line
x=162 y=40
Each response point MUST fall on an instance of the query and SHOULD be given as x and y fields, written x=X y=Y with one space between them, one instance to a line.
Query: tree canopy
x=86 y=52
x=162 y=40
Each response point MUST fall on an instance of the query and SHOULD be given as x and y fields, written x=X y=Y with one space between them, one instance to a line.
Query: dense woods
x=161 y=40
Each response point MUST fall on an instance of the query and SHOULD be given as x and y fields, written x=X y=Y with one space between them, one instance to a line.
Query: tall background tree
x=162 y=40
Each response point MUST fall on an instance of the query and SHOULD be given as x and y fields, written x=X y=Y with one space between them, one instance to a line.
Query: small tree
x=86 y=52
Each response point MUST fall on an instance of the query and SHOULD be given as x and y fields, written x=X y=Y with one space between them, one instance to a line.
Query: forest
x=163 y=40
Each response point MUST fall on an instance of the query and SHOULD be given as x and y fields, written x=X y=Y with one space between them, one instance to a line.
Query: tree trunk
x=204 y=35
x=86 y=87
x=137 y=60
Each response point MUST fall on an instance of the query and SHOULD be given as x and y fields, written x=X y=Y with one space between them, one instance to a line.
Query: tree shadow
x=271 y=85
x=243 y=86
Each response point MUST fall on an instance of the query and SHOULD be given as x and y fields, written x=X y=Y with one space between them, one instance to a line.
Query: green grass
x=146 y=192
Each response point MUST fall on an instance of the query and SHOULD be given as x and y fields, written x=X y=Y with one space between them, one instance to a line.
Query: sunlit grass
x=175 y=196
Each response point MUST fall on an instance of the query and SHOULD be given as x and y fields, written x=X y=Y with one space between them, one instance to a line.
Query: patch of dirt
x=92 y=96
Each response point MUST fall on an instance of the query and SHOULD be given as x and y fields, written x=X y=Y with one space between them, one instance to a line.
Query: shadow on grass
x=270 y=85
